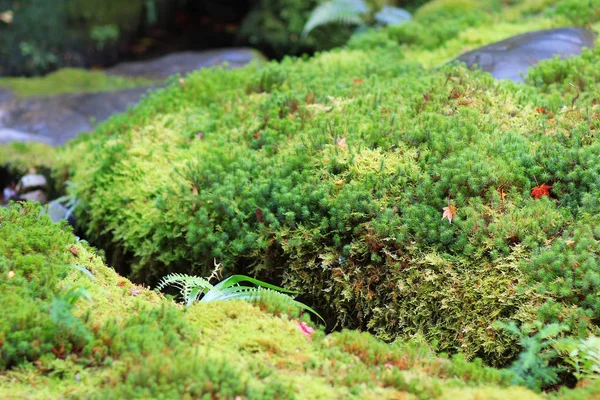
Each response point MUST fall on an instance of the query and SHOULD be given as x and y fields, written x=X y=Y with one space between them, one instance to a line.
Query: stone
x=11 y=135
x=185 y=62
x=36 y=195
x=8 y=194
x=31 y=181
x=511 y=58
x=58 y=212
x=5 y=95
x=57 y=119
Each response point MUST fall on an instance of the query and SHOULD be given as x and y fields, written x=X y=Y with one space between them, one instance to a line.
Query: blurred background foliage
x=38 y=36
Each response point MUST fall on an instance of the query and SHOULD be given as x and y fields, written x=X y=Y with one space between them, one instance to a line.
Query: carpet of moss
x=330 y=175
x=121 y=340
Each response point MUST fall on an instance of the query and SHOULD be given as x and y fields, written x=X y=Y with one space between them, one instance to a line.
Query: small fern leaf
x=190 y=287
x=192 y=296
x=336 y=11
x=236 y=279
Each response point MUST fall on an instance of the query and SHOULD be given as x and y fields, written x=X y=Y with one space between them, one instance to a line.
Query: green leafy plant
x=534 y=367
x=352 y=12
x=196 y=289
x=583 y=356
x=104 y=34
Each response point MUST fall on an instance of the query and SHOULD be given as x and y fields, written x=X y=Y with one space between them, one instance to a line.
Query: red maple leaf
x=541 y=190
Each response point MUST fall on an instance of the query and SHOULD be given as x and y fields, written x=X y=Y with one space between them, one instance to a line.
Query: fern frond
x=336 y=11
x=190 y=287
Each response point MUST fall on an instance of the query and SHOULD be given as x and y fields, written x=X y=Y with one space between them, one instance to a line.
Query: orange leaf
x=342 y=143
x=541 y=190
x=449 y=212
x=74 y=251
x=502 y=194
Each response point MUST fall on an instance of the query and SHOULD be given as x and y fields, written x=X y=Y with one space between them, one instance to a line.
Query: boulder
x=11 y=135
x=512 y=57
x=58 y=212
x=185 y=62
x=56 y=119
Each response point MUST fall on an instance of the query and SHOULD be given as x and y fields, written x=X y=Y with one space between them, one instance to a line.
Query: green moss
x=124 y=341
x=20 y=157
x=70 y=80
x=330 y=175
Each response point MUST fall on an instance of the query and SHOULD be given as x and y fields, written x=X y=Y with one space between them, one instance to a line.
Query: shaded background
x=45 y=35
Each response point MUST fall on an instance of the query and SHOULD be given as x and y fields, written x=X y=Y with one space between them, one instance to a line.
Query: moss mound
x=73 y=328
x=338 y=175
x=332 y=175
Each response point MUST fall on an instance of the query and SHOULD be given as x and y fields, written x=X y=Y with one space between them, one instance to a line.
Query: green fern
x=534 y=368
x=352 y=12
x=196 y=289
x=346 y=12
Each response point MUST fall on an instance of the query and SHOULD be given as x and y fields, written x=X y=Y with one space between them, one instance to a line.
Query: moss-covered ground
x=73 y=328
x=332 y=175
x=70 y=80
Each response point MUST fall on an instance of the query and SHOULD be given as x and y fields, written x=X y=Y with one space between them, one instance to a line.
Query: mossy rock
x=70 y=80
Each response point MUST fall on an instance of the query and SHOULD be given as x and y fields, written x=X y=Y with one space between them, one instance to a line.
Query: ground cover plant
x=73 y=328
x=398 y=199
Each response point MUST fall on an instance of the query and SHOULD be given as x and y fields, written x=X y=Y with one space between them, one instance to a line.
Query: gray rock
x=511 y=58
x=11 y=135
x=56 y=119
x=5 y=95
x=185 y=62
x=31 y=181
x=39 y=196
x=57 y=212
x=8 y=194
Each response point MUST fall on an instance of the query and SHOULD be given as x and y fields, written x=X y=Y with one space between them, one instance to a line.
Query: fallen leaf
x=502 y=194
x=74 y=251
x=194 y=190
x=569 y=242
x=256 y=135
x=357 y=80
x=259 y=214
x=541 y=190
x=342 y=143
x=449 y=213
